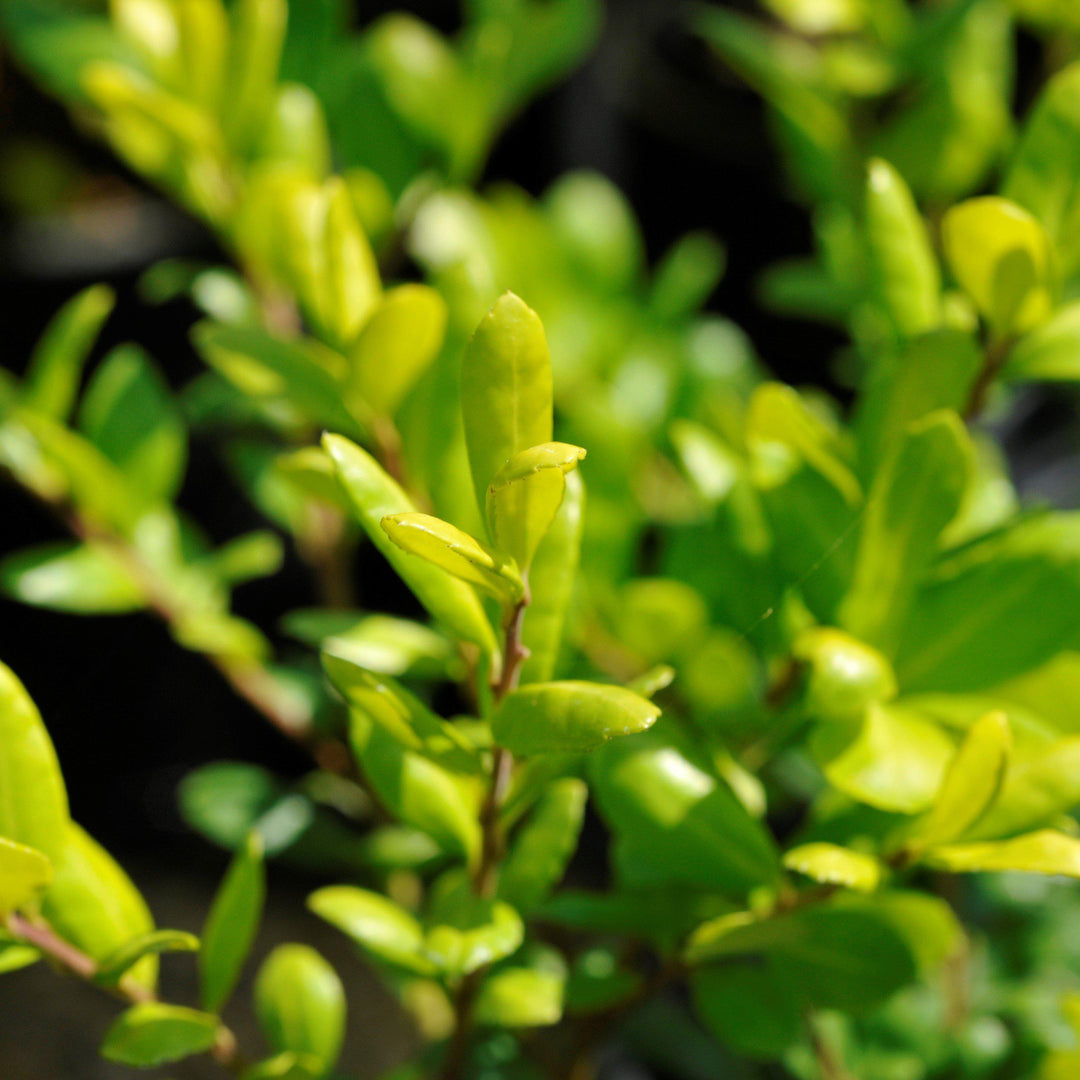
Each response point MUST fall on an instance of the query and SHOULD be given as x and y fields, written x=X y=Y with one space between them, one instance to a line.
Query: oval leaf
x=835 y=865
x=156 y=1034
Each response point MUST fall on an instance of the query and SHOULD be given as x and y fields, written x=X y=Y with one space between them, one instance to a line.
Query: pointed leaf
x=567 y=717
x=1044 y=852
x=156 y=1034
x=113 y=968
x=351 y=275
x=374 y=495
x=232 y=924
x=506 y=389
x=441 y=544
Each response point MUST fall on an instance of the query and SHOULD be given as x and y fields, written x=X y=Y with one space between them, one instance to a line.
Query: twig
x=75 y=962
x=997 y=353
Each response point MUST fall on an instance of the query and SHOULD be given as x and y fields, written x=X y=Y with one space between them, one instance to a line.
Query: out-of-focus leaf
x=24 y=873
x=845 y=676
x=745 y=1006
x=115 y=966
x=83 y=578
x=257 y=36
x=520 y=997
x=835 y=865
x=155 y=1034
x=466 y=931
x=1045 y=852
x=1050 y=352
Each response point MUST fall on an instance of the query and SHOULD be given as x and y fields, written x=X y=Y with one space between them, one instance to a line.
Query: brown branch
x=997 y=352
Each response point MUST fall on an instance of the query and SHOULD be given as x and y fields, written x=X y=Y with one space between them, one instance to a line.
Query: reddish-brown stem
x=997 y=353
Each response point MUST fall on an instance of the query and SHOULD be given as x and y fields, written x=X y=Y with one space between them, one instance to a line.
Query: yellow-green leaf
x=1003 y=259
x=374 y=495
x=156 y=1034
x=525 y=495
x=834 y=865
x=447 y=547
x=1043 y=852
x=506 y=389
x=24 y=873
x=520 y=997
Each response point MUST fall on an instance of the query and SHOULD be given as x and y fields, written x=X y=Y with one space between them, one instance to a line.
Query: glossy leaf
x=156 y=1034
x=115 y=966
x=232 y=924
x=1002 y=257
x=1045 y=852
x=33 y=801
x=565 y=717
x=300 y=1003
x=396 y=346
x=506 y=389
x=375 y=923
x=520 y=997
x=1050 y=352
x=441 y=544
x=916 y=494
x=971 y=784
x=833 y=865
x=24 y=874
x=55 y=368
x=525 y=495
x=844 y=675
x=906 y=278
x=467 y=932
x=374 y=496
x=544 y=845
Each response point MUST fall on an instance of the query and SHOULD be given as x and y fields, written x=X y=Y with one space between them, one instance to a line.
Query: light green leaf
x=156 y=1034
x=296 y=131
x=567 y=717
x=1003 y=259
x=441 y=544
x=520 y=997
x=1043 y=852
x=686 y=276
x=300 y=1003
x=1050 y=352
x=1044 y=174
x=254 y=555
x=374 y=495
x=82 y=578
x=833 y=865
x=845 y=676
x=352 y=285
x=130 y=415
x=55 y=368
x=93 y=904
x=285 y=1066
x=204 y=43
x=467 y=931
x=33 y=801
x=112 y=969
x=905 y=275
x=376 y=924
x=675 y=823
x=257 y=36
x=525 y=495
x=506 y=389
x=971 y=785
x=544 y=845
x=396 y=346
x=24 y=873
x=231 y=926
x=896 y=762
x=551 y=581
x=918 y=491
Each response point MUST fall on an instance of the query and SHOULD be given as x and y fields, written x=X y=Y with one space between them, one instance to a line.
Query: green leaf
x=94 y=905
x=441 y=544
x=905 y=275
x=376 y=924
x=418 y=791
x=995 y=608
x=24 y=873
x=1002 y=258
x=285 y=1066
x=87 y=579
x=687 y=275
x=254 y=555
x=914 y=497
x=971 y=785
x=231 y=926
x=156 y=1034
x=467 y=932
x=551 y=581
x=896 y=761
x=1044 y=174
x=1050 y=352
x=525 y=495
x=833 y=865
x=257 y=36
x=675 y=824
x=113 y=968
x=810 y=953
x=544 y=845
x=300 y=372
x=568 y=717
x=33 y=801
x=300 y=1003
x=374 y=495
x=130 y=415
x=845 y=676
x=506 y=389
x=351 y=275
x=520 y=997
x=296 y=130
x=1043 y=852
x=55 y=369
x=396 y=346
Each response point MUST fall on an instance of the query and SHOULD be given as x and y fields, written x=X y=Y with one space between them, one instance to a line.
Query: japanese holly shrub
x=810 y=664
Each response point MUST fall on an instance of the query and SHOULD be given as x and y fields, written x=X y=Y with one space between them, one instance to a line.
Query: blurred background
x=131 y=713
